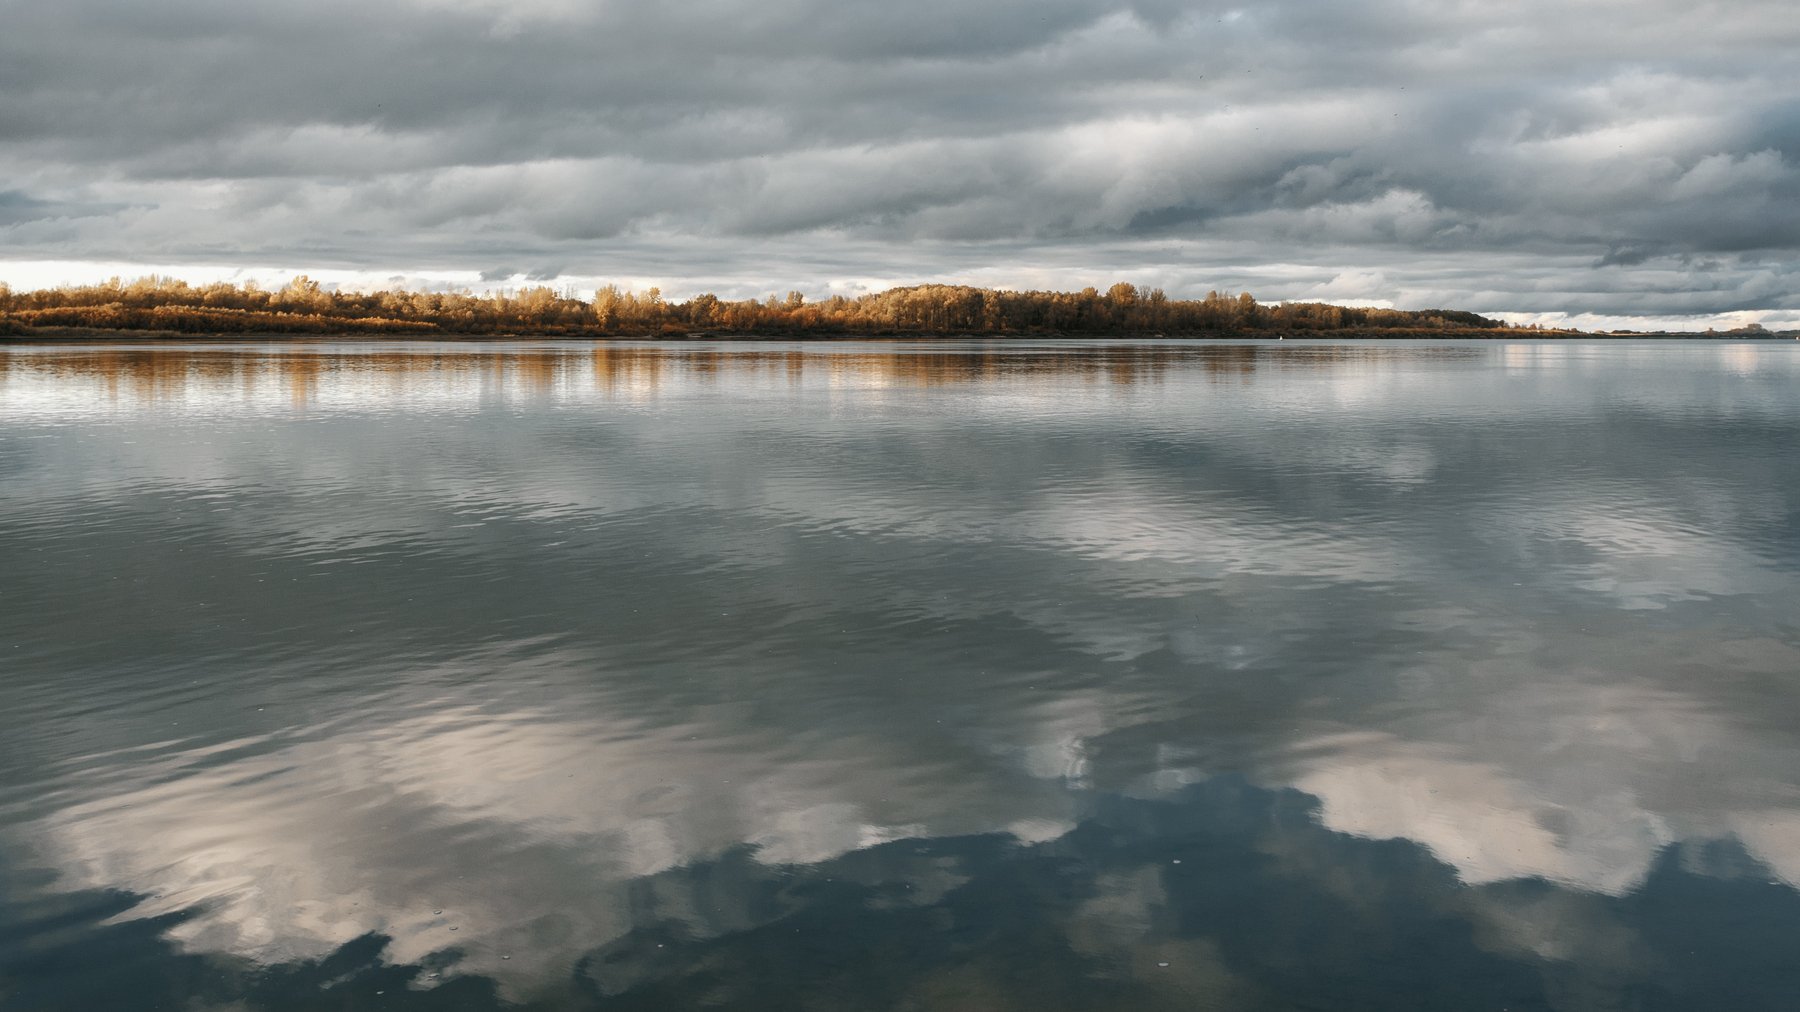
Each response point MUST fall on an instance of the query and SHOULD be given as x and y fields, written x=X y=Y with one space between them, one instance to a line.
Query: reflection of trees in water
x=161 y=374
x=1223 y=896
x=924 y=366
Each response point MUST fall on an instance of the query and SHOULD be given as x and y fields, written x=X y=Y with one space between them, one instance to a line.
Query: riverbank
x=30 y=335
x=159 y=308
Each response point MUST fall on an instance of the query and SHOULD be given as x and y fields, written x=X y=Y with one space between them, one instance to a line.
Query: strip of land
x=169 y=307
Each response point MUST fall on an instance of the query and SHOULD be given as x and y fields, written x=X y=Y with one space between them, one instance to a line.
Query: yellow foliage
x=304 y=306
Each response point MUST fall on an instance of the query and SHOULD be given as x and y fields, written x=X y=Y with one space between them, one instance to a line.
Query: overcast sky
x=1627 y=158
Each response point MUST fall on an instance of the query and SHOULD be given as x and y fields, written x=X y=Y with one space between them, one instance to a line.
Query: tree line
x=304 y=306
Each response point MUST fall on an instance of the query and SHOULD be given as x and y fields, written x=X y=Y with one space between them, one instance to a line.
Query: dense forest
x=305 y=307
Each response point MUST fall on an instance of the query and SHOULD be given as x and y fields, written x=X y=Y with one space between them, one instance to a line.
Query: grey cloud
x=18 y=207
x=1625 y=255
x=923 y=141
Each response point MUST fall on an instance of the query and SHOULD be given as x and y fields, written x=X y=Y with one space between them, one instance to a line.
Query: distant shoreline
x=51 y=335
x=156 y=308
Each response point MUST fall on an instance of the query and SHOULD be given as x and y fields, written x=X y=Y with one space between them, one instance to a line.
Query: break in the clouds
x=1619 y=160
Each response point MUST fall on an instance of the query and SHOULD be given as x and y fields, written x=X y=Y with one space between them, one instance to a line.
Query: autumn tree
x=606 y=306
x=305 y=306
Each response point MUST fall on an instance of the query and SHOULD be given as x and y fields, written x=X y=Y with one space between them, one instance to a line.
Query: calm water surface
x=900 y=676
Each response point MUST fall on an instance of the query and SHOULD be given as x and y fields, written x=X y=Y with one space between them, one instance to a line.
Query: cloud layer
x=1623 y=160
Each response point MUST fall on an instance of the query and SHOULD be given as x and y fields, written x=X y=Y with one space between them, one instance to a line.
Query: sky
x=1604 y=163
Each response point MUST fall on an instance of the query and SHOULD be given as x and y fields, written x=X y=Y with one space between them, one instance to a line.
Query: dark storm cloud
x=1625 y=255
x=1397 y=150
x=17 y=208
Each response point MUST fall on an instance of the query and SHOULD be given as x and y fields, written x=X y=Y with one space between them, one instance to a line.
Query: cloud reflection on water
x=536 y=642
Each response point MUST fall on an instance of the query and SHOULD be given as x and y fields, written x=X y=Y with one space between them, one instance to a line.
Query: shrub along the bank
x=304 y=306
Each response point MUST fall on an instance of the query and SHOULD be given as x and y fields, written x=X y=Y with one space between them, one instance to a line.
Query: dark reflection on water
x=155 y=372
x=899 y=676
x=1223 y=896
